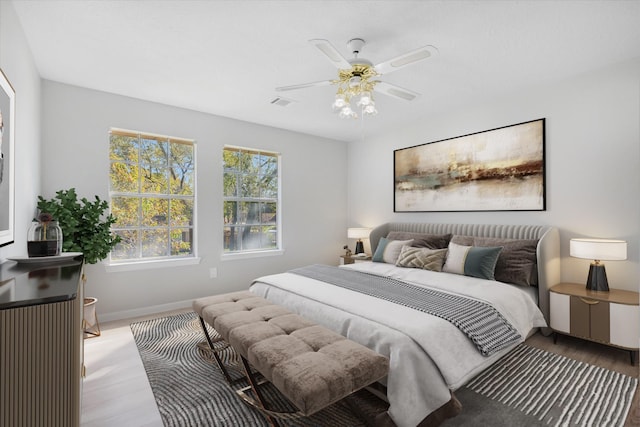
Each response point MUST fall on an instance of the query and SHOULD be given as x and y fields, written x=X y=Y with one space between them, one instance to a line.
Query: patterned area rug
x=557 y=391
x=528 y=387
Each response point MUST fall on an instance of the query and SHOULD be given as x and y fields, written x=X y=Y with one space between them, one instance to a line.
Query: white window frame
x=145 y=263
x=256 y=253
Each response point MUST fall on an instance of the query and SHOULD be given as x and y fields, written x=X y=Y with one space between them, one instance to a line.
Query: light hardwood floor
x=116 y=391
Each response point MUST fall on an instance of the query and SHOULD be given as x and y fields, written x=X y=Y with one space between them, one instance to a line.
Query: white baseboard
x=145 y=311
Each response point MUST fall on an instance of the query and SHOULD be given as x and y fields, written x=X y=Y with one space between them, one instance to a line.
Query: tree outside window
x=152 y=195
x=251 y=191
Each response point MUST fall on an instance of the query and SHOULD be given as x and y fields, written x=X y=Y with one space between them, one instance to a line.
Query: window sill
x=251 y=254
x=150 y=265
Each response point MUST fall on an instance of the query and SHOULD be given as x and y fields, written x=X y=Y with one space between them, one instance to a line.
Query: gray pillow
x=462 y=240
x=517 y=263
x=422 y=240
x=423 y=258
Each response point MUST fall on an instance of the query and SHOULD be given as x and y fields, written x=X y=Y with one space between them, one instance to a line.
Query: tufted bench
x=309 y=364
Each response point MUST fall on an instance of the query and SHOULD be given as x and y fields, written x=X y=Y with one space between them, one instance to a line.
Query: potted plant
x=86 y=228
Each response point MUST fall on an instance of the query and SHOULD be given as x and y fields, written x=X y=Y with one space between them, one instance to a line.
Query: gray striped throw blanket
x=481 y=322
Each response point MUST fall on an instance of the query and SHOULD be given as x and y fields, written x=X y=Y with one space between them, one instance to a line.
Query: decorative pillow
x=424 y=258
x=462 y=240
x=517 y=263
x=388 y=250
x=472 y=261
x=422 y=240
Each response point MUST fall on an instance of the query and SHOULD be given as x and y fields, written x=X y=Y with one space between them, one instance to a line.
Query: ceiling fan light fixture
x=357 y=77
x=346 y=112
x=340 y=101
x=365 y=99
x=370 y=110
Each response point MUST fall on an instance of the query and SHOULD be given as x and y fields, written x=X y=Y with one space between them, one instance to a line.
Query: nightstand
x=611 y=318
x=351 y=259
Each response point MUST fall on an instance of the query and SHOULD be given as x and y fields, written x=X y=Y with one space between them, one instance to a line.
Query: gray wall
x=75 y=146
x=592 y=160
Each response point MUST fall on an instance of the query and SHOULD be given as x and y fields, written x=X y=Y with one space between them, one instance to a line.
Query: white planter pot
x=90 y=324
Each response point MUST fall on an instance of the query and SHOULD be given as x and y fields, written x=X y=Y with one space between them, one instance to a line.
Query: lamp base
x=597 y=280
x=359 y=247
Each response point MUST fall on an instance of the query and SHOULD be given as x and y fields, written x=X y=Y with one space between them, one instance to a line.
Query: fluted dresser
x=41 y=343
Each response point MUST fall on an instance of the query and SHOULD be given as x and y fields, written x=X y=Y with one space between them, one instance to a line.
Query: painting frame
x=7 y=161
x=500 y=169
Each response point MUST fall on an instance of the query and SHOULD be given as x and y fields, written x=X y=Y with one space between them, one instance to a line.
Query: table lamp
x=598 y=250
x=358 y=233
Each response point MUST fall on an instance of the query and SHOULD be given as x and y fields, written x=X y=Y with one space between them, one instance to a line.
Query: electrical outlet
x=213 y=273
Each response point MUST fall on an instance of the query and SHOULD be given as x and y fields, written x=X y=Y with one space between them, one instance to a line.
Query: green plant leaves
x=85 y=225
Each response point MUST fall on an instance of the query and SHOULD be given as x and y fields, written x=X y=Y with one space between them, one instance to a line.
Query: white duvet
x=429 y=357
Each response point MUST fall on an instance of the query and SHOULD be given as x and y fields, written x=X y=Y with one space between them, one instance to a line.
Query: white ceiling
x=227 y=57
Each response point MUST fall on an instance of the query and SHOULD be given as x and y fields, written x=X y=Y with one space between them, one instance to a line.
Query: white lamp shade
x=358 y=233
x=598 y=249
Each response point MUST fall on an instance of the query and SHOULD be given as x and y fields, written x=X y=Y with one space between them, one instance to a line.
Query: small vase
x=44 y=239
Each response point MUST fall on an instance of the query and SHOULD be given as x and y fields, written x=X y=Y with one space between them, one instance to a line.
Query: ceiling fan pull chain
x=362 y=126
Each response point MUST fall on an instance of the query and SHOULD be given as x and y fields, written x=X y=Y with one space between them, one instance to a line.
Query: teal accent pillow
x=389 y=250
x=472 y=261
x=377 y=256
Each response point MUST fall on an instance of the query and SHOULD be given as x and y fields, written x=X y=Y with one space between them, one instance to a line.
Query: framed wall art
x=7 y=162
x=500 y=169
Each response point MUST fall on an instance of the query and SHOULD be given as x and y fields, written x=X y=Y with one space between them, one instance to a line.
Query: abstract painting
x=501 y=169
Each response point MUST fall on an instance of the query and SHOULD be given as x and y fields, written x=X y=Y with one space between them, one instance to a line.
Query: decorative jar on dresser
x=44 y=237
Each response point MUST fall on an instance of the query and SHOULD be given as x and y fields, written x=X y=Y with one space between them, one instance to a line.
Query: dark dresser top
x=23 y=285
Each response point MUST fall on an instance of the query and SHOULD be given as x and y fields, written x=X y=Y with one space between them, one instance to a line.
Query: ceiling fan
x=357 y=77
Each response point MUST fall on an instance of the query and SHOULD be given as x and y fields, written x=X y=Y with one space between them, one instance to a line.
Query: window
x=152 y=196
x=251 y=200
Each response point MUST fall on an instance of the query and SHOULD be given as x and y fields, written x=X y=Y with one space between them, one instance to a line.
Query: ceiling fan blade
x=395 y=91
x=406 y=59
x=331 y=53
x=304 y=85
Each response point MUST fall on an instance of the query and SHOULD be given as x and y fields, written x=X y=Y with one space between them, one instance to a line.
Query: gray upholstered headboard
x=548 y=251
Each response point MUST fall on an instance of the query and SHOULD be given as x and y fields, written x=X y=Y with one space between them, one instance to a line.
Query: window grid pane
x=152 y=196
x=250 y=200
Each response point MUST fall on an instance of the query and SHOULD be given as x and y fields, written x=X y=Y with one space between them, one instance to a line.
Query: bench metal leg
x=253 y=384
x=216 y=356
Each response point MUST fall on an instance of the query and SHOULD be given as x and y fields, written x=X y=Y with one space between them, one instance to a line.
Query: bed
x=430 y=358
